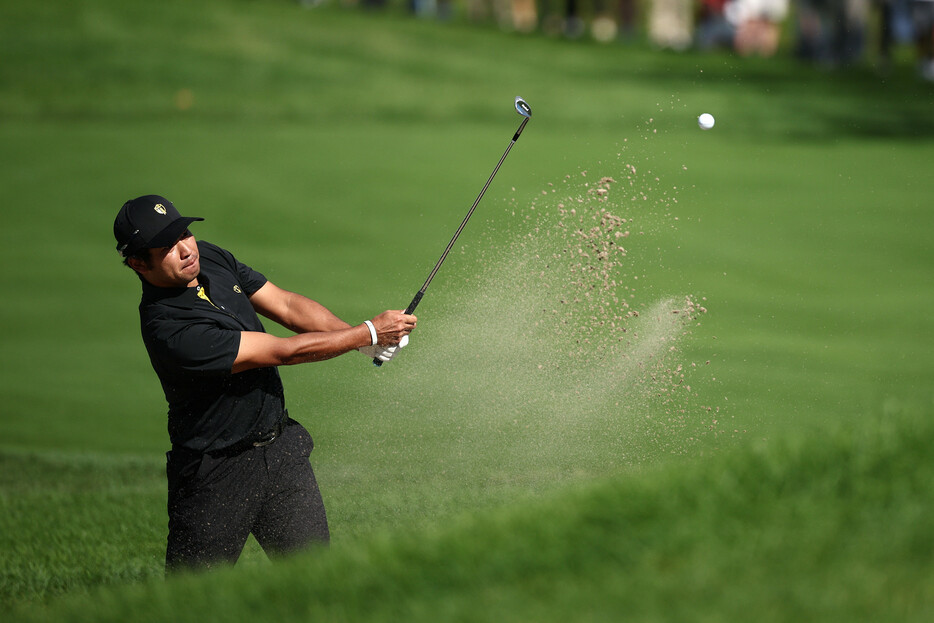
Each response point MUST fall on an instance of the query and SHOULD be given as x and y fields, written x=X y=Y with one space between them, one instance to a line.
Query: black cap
x=148 y=222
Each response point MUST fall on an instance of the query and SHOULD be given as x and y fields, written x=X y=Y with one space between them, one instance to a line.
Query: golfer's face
x=177 y=265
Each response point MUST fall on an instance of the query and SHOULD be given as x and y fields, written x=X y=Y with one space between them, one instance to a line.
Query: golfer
x=238 y=464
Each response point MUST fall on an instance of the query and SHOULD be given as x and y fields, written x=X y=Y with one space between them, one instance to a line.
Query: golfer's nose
x=185 y=247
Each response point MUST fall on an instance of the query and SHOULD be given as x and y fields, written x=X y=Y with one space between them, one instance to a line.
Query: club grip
x=415 y=301
x=408 y=310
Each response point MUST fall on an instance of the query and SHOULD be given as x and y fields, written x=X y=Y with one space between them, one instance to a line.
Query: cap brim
x=171 y=232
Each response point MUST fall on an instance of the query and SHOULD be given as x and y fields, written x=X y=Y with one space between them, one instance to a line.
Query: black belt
x=255 y=440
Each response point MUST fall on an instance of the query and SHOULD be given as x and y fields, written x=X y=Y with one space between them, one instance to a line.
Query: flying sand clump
x=581 y=248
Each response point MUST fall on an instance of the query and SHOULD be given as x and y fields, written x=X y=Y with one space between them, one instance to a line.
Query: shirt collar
x=153 y=293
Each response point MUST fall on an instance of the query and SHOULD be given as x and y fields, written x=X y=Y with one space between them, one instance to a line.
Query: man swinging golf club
x=238 y=463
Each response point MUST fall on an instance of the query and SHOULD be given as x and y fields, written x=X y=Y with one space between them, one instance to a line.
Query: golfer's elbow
x=261 y=350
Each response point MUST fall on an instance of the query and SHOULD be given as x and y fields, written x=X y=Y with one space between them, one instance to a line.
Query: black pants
x=215 y=502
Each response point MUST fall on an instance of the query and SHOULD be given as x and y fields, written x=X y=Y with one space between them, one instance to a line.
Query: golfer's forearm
x=261 y=350
x=318 y=346
x=294 y=311
x=306 y=316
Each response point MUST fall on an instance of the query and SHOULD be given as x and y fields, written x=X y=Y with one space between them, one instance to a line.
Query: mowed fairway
x=523 y=459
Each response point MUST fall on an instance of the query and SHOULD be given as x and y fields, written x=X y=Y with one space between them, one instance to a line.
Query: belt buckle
x=269 y=436
x=266 y=442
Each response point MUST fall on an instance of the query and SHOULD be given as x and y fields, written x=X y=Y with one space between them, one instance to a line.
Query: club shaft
x=418 y=296
x=434 y=271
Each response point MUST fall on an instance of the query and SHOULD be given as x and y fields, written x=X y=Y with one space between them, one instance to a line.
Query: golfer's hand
x=374 y=352
x=383 y=353
x=391 y=351
x=392 y=326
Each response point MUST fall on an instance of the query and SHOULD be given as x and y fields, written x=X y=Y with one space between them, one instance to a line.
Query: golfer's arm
x=262 y=350
x=294 y=311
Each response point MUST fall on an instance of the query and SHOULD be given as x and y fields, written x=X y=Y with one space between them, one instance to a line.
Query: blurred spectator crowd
x=832 y=33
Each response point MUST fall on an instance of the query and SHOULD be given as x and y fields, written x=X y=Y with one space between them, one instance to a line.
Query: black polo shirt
x=193 y=335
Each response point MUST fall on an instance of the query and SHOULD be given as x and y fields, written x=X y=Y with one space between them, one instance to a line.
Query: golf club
x=523 y=109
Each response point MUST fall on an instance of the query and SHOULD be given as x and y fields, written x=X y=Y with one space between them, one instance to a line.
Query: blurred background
x=826 y=33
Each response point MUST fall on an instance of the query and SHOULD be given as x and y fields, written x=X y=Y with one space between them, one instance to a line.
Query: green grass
x=336 y=151
x=836 y=528
x=73 y=522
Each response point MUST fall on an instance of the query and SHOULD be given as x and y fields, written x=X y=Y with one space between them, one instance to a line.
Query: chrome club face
x=523 y=108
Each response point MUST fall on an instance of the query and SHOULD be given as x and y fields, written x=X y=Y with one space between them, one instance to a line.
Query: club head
x=522 y=108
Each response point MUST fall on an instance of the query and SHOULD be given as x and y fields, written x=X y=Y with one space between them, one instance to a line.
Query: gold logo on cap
x=159 y=208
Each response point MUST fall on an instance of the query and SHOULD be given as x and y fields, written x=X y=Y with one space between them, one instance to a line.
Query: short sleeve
x=200 y=348
x=250 y=280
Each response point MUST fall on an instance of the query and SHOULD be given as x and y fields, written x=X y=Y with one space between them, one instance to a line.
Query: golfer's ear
x=137 y=264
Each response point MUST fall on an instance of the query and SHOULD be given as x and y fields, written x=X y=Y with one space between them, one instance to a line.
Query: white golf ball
x=705 y=121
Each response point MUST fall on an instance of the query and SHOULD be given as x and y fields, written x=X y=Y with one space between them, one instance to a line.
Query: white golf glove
x=373 y=352
x=383 y=353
